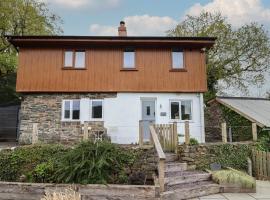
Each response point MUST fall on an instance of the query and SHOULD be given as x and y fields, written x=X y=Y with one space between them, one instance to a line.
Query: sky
x=154 y=17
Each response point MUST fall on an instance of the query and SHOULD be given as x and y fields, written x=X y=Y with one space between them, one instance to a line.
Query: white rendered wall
x=123 y=113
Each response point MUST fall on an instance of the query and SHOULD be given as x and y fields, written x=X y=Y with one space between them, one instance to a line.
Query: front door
x=148 y=117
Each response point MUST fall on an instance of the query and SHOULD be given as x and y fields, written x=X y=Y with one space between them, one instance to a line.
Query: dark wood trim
x=129 y=69
x=178 y=70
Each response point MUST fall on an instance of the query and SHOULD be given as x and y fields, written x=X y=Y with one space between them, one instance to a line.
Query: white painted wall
x=122 y=114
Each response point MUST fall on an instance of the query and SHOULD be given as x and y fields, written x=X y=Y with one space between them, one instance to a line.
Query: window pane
x=177 y=60
x=129 y=59
x=97 y=109
x=68 y=58
x=67 y=110
x=186 y=110
x=76 y=109
x=80 y=59
x=174 y=110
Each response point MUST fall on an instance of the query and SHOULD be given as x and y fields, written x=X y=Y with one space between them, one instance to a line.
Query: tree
x=240 y=56
x=20 y=17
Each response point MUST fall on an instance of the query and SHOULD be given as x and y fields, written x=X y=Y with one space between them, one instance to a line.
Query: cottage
x=117 y=82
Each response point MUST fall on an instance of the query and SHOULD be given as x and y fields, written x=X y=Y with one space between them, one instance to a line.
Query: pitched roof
x=254 y=109
x=200 y=42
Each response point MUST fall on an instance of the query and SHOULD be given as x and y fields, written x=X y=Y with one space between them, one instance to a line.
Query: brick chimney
x=122 y=30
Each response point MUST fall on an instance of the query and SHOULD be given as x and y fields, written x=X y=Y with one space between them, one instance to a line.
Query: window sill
x=178 y=70
x=181 y=121
x=70 y=120
x=72 y=68
x=128 y=69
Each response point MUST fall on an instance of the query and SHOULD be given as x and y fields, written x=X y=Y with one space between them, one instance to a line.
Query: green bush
x=23 y=160
x=263 y=143
x=89 y=162
x=193 y=141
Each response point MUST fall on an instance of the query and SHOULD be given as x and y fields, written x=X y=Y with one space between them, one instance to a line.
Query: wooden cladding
x=41 y=70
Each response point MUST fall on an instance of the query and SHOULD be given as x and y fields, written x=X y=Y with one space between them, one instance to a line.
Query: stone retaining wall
x=201 y=155
x=45 y=109
x=35 y=191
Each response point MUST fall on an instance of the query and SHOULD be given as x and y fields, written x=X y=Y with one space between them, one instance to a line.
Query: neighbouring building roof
x=254 y=109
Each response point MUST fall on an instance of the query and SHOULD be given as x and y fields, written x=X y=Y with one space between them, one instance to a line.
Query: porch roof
x=256 y=110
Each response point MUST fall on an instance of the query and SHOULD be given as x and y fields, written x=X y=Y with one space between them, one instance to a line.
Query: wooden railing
x=261 y=164
x=167 y=135
x=161 y=157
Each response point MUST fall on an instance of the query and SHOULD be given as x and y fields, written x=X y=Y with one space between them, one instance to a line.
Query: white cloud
x=83 y=3
x=138 y=25
x=237 y=11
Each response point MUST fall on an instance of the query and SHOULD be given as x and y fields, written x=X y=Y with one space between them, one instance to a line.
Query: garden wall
x=227 y=154
x=34 y=191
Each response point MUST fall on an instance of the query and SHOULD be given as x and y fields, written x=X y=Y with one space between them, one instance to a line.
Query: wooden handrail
x=161 y=156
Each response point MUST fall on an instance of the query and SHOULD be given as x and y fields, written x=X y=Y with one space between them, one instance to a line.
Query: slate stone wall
x=45 y=109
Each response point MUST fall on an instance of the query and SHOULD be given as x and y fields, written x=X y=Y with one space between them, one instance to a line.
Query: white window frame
x=70 y=109
x=131 y=50
x=180 y=109
x=91 y=110
x=180 y=67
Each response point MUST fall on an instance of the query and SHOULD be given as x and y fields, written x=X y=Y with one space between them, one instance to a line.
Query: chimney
x=122 y=30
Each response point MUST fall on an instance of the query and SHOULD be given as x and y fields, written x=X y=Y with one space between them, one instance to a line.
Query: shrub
x=68 y=194
x=231 y=176
x=24 y=160
x=263 y=143
x=193 y=141
x=89 y=162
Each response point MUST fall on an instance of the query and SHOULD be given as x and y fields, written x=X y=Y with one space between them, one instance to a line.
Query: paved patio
x=263 y=193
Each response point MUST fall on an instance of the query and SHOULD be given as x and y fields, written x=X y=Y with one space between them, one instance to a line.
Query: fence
x=261 y=164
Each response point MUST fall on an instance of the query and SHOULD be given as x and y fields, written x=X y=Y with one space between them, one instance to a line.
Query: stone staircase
x=182 y=183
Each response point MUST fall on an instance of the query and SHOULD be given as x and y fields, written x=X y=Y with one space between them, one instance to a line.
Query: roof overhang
x=110 y=41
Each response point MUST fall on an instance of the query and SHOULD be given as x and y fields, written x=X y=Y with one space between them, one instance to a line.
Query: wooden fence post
x=249 y=162
x=187 y=133
x=85 y=131
x=175 y=136
x=254 y=131
x=141 y=134
x=35 y=133
x=161 y=174
x=224 y=132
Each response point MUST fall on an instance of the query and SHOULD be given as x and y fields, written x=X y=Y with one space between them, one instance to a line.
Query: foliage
x=240 y=55
x=68 y=194
x=24 y=161
x=263 y=143
x=228 y=155
x=20 y=17
x=231 y=176
x=43 y=172
x=193 y=141
x=240 y=126
x=89 y=162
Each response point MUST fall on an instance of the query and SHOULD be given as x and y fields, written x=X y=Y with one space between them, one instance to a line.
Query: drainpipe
x=202 y=118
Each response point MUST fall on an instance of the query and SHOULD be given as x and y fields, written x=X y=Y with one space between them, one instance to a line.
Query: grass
x=235 y=177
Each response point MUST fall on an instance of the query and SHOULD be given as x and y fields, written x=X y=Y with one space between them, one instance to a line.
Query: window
x=97 y=109
x=74 y=59
x=184 y=107
x=177 y=59
x=129 y=59
x=71 y=110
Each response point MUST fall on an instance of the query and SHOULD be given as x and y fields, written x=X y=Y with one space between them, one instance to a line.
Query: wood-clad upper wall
x=41 y=70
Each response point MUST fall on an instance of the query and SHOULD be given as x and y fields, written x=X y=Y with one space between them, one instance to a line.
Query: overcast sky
x=153 y=17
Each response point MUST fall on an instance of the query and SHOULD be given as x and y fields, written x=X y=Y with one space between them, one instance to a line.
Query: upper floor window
x=181 y=110
x=177 y=59
x=74 y=59
x=129 y=58
x=71 y=110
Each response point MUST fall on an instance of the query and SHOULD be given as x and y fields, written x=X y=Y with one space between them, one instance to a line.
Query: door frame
x=148 y=99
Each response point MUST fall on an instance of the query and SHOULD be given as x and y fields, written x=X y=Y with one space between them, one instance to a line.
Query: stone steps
x=197 y=189
x=183 y=183
x=172 y=183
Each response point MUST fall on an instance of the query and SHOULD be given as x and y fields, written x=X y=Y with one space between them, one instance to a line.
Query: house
x=243 y=116
x=113 y=81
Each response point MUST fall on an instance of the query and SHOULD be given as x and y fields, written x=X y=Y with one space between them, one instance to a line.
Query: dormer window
x=129 y=58
x=74 y=59
x=177 y=59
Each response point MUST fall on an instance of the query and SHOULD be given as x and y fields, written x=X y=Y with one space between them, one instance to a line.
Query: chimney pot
x=122 y=30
